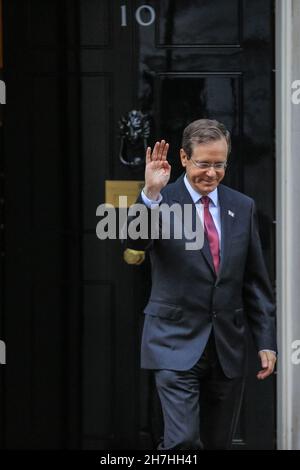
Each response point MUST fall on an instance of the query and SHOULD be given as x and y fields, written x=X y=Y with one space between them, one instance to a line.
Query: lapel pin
x=231 y=213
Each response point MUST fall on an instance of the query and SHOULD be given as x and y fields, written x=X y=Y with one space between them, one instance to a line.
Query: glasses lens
x=206 y=165
x=220 y=166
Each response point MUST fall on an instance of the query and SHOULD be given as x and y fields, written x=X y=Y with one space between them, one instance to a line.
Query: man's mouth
x=205 y=181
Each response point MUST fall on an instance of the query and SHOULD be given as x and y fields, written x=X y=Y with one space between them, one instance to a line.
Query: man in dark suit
x=194 y=336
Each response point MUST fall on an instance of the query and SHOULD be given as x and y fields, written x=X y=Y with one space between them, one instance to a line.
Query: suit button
x=214 y=314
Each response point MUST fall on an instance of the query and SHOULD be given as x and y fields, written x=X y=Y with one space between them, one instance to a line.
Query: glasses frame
x=209 y=165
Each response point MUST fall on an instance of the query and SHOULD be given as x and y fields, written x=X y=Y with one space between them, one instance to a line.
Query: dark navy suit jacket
x=188 y=300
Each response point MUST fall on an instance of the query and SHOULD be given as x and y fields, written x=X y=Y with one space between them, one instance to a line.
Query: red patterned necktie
x=211 y=232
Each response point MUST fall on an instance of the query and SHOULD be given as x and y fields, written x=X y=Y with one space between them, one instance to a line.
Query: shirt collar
x=196 y=196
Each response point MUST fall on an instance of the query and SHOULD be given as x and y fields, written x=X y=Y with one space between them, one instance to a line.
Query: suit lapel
x=227 y=212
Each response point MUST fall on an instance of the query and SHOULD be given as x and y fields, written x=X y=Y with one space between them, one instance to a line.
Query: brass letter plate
x=114 y=189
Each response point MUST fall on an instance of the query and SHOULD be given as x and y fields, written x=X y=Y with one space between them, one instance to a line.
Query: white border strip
x=284 y=219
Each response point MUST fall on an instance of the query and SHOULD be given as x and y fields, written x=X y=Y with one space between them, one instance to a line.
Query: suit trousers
x=200 y=406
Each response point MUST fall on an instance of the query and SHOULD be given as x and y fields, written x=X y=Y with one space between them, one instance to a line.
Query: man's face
x=205 y=180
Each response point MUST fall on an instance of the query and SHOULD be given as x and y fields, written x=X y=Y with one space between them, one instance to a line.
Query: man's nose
x=211 y=171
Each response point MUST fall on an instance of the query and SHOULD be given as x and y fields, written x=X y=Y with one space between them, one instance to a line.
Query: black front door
x=72 y=306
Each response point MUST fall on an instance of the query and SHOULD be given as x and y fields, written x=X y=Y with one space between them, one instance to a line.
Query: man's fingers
x=263 y=374
x=264 y=362
x=154 y=155
x=165 y=152
x=271 y=359
x=161 y=149
x=148 y=155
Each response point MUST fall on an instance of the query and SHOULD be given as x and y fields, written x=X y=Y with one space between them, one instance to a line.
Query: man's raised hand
x=158 y=169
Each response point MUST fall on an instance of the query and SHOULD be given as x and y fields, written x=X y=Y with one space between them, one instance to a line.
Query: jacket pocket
x=168 y=311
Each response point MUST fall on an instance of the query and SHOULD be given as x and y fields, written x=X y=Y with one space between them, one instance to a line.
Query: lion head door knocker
x=134 y=135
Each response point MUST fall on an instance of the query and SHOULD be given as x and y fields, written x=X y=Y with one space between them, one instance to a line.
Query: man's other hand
x=268 y=360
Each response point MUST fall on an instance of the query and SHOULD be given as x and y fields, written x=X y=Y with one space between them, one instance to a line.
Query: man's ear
x=183 y=158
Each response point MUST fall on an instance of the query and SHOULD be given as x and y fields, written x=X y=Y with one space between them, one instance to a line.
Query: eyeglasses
x=205 y=165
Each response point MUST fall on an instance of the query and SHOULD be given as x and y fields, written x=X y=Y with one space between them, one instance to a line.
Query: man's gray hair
x=204 y=131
